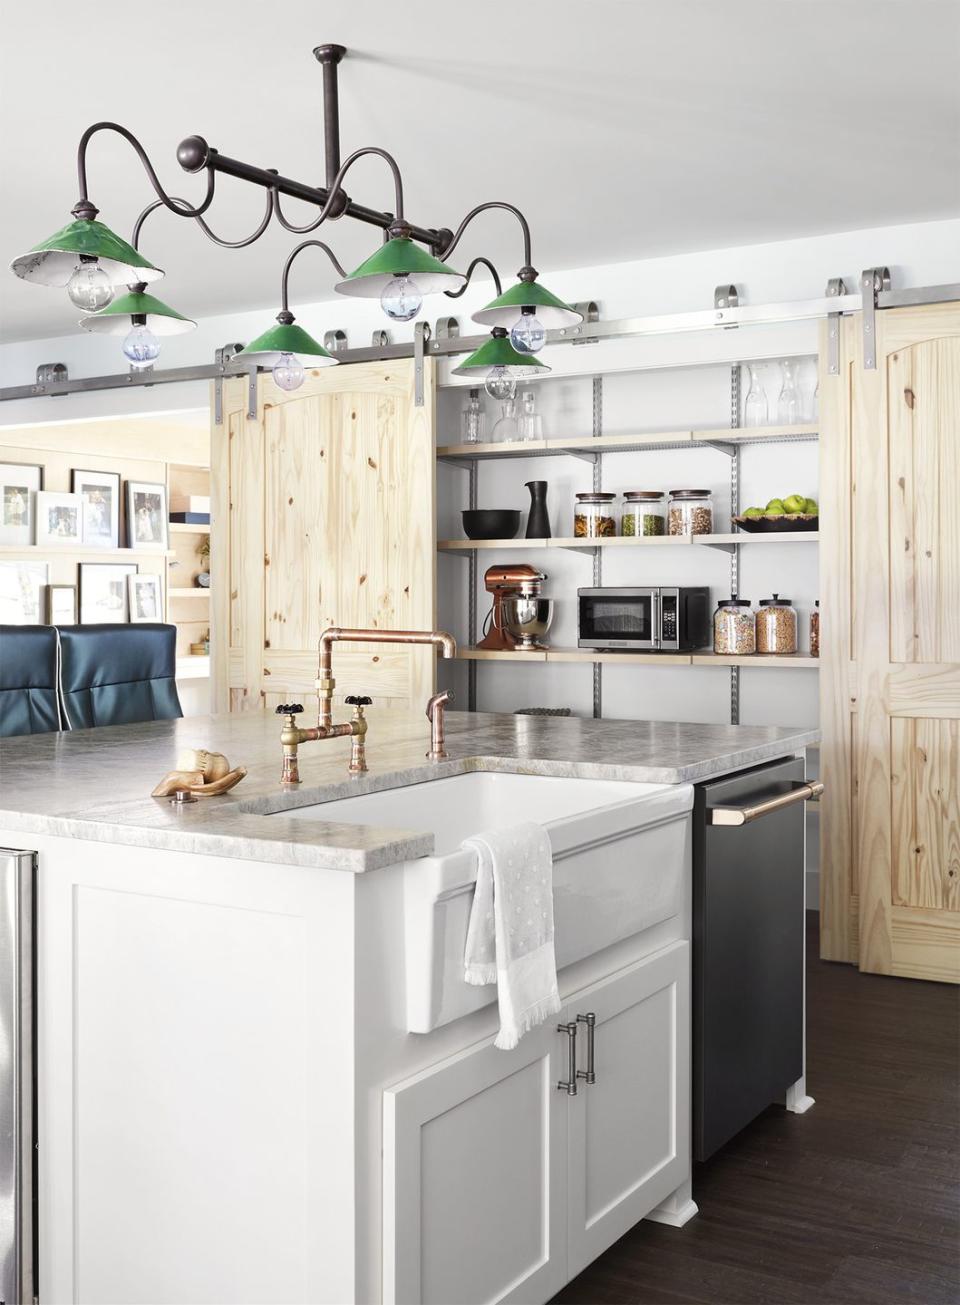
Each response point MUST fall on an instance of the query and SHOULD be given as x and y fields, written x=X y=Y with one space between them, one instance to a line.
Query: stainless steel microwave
x=661 y=618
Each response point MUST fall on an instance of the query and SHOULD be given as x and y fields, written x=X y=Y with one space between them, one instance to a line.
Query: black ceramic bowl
x=491 y=523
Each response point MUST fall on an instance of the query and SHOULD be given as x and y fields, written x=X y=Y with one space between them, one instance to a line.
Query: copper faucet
x=326 y=684
x=291 y=736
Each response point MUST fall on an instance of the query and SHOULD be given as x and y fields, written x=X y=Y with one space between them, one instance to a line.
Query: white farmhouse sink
x=621 y=857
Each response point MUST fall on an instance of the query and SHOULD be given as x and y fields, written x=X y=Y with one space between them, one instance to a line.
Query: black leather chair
x=28 y=680
x=118 y=674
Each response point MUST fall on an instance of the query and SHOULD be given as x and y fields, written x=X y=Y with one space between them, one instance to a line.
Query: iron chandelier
x=94 y=263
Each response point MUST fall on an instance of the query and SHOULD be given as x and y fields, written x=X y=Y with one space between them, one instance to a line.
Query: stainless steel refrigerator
x=18 y=1122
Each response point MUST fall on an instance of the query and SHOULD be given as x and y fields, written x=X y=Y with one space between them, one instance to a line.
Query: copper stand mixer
x=519 y=616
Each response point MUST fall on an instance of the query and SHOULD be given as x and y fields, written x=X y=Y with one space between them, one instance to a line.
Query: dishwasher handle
x=734 y=816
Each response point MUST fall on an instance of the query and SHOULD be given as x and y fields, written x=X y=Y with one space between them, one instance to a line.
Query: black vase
x=538 y=519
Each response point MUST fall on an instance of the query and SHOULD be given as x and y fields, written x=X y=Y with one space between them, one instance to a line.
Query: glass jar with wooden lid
x=643 y=513
x=593 y=516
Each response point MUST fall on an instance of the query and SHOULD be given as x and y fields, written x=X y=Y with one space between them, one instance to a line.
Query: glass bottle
x=472 y=419
x=530 y=422
x=506 y=428
x=789 y=405
x=756 y=409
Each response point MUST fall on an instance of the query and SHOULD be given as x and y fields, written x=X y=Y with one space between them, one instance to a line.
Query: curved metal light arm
x=185 y=211
x=346 y=165
x=289 y=226
x=477 y=262
x=284 y=297
x=88 y=210
x=481 y=208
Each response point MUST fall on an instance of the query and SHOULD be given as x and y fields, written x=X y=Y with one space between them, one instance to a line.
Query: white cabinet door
x=629 y=1132
x=474 y=1154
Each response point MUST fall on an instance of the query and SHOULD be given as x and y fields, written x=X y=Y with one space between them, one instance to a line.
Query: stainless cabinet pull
x=590 y=1020
x=569 y=1084
x=744 y=815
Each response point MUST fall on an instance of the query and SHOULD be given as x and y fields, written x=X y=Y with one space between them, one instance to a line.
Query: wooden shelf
x=795 y=661
x=196 y=592
x=629 y=541
x=184 y=528
x=779 y=661
x=624 y=443
x=78 y=553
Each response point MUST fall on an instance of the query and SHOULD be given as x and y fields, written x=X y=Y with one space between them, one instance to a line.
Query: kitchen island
x=259 y=1076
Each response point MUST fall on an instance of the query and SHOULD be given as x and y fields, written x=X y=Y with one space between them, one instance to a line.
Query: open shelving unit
x=730 y=440
x=188 y=604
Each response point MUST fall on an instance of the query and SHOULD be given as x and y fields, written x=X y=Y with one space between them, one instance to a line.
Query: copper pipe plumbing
x=439 y=639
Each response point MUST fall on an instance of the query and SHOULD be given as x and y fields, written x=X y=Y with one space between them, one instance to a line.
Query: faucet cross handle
x=289 y=709
x=358 y=701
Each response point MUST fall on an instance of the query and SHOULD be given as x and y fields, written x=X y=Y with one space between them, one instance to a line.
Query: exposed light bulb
x=528 y=334
x=500 y=385
x=141 y=347
x=89 y=287
x=401 y=299
x=288 y=372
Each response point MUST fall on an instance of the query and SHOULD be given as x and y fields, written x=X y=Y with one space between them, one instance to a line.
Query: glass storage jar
x=815 y=630
x=690 y=512
x=734 y=632
x=643 y=512
x=593 y=516
x=776 y=626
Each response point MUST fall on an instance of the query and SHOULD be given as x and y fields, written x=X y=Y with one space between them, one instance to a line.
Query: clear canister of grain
x=690 y=512
x=593 y=516
x=776 y=626
x=815 y=630
x=643 y=512
x=734 y=632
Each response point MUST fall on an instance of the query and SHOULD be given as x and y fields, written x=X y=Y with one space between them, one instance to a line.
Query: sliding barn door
x=891 y=668
x=323 y=514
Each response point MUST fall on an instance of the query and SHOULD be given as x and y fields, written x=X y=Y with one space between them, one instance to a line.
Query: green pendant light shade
x=400 y=257
x=287 y=338
x=506 y=308
x=54 y=261
x=499 y=352
x=155 y=315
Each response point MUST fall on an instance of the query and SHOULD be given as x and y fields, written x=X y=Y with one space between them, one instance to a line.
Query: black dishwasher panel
x=748 y=953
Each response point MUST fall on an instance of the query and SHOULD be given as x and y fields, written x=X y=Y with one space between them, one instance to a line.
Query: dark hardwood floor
x=855 y=1203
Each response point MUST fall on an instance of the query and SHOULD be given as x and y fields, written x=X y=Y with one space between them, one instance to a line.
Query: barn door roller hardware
x=873 y=281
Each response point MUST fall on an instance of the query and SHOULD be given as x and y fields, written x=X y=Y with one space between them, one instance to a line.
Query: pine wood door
x=323 y=514
x=891 y=688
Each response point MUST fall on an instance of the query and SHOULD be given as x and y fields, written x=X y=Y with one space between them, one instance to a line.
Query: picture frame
x=61 y=605
x=20 y=483
x=22 y=584
x=59 y=521
x=145 y=597
x=104 y=595
x=147 y=525
x=100 y=493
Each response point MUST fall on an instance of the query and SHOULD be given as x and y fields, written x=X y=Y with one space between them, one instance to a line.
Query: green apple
x=775 y=505
x=811 y=506
x=794 y=503
x=772 y=516
x=753 y=513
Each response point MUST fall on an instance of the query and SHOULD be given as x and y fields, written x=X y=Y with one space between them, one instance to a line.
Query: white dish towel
x=510 y=934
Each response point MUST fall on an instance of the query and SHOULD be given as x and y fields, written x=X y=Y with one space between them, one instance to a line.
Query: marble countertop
x=95 y=784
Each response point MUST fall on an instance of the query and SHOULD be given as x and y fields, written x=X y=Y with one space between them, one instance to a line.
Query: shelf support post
x=597 y=396
x=735 y=380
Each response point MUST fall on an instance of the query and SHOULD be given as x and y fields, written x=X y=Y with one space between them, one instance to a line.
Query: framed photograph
x=61 y=605
x=19 y=485
x=146 y=515
x=100 y=492
x=21 y=592
x=103 y=592
x=146 y=598
x=59 y=519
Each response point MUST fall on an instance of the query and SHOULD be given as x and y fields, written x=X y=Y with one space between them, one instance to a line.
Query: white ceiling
x=623 y=130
